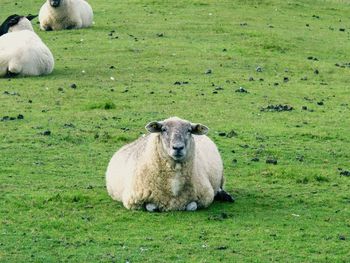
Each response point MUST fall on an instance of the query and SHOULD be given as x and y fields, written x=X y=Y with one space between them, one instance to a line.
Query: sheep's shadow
x=255 y=203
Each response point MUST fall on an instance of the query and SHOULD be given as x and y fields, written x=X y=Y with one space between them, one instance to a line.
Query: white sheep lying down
x=65 y=14
x=175 y=167
x=21 y=50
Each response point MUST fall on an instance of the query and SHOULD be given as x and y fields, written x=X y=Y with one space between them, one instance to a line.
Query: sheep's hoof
x=152 y=208
x=48 y=28
x=191 y=206
x=223 y=196
x=10 y=74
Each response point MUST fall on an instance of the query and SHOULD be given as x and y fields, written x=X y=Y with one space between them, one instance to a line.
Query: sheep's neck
x=177 y=183
x=176 y=175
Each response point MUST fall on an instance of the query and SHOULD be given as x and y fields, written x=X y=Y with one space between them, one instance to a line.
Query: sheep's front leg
x=71 y=27
x=192 y=206
x=75 y=24
x=46 y=28
x=14 y=69
x=10 y=74
x=152 y=207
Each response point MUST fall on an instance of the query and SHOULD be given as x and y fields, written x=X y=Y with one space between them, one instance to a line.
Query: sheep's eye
x=164 y=129
x=189 y=130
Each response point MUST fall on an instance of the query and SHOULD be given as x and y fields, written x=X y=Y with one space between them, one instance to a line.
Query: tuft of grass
x=320 y=178
x=103 y=106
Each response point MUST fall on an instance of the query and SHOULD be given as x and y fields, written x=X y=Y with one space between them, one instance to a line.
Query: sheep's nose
x=178 y=147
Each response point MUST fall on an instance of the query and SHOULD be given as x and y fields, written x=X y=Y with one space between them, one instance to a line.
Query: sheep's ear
x=9 y=22
x=154 y=126
x=31 y=17
x=199 y=129
x=14 y=20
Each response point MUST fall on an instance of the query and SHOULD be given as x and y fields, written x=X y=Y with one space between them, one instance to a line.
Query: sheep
x=65 y=14
x=21 y=50
x=175 y=167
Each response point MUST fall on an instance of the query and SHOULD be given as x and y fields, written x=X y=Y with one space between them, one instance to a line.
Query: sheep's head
x=16 y=23
x=55 y=3
x=176 y=136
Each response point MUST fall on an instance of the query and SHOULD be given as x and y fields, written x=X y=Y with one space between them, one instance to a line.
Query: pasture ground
x=148 y=60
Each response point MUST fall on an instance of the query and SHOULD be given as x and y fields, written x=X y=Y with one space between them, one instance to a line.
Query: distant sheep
x=21 y=50
x=175 y=167
x=65 y=14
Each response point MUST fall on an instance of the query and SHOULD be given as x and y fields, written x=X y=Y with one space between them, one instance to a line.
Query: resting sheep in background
x=21 y=50
x=65 y=14
x=175 y=167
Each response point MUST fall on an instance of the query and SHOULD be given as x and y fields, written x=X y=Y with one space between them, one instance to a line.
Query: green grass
x=53 y=203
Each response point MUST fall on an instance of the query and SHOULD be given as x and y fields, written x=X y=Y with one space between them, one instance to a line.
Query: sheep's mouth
x=178 y=156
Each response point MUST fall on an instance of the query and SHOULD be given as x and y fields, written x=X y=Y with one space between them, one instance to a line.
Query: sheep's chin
x=178 y=158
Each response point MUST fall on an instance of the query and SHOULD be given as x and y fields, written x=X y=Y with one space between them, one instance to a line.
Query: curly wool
x=23 y=53
x=140 y=173
x=71 y=14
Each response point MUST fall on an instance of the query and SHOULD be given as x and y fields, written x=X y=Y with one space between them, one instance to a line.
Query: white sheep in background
x=65 y=14
x=175 y=167
x=21 y=50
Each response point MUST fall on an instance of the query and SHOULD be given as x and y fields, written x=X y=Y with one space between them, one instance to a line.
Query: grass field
x=148 y=60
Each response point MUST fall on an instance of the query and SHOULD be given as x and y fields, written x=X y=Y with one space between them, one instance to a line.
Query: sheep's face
x=16 y=23
x=55 y=3
x=176 y=136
